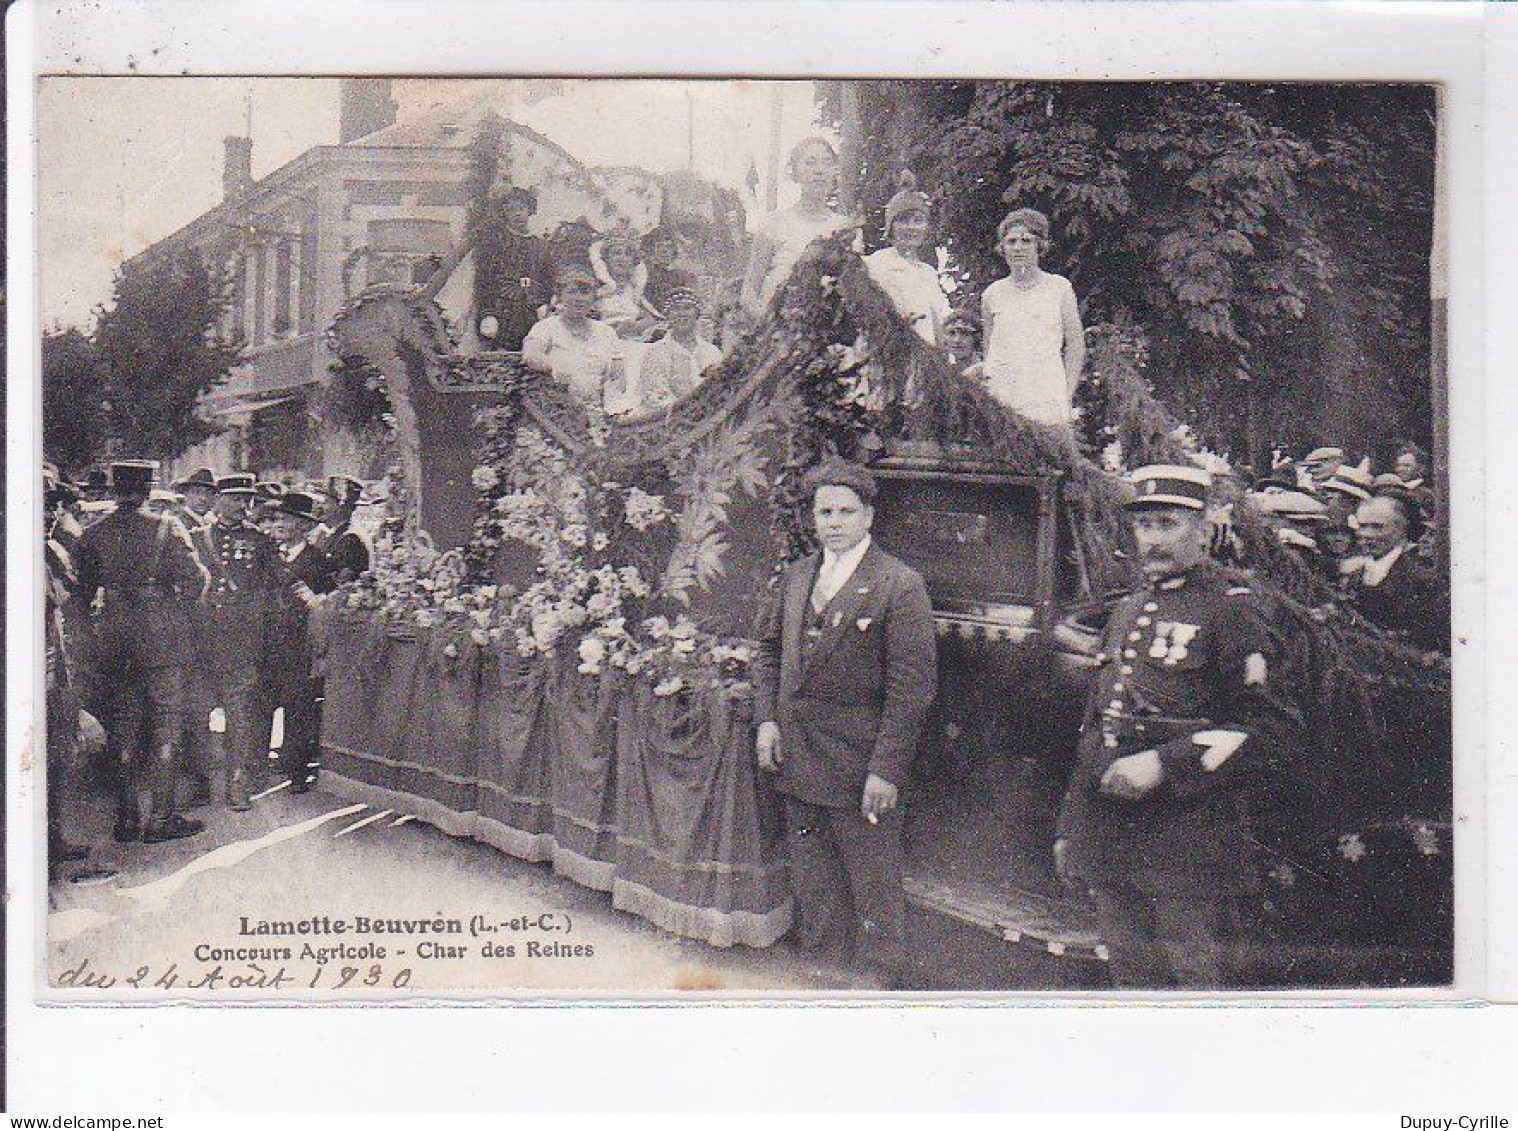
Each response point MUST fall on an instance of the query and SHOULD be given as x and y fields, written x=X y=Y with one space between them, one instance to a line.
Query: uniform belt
x=1155 y=730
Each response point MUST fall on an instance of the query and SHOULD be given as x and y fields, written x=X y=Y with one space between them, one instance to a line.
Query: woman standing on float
x=899 y=269
x=1035 y=345
x=785 y=234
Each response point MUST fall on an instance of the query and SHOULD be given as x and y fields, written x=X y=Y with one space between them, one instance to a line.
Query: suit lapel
x=843 y=609
x=798 y=595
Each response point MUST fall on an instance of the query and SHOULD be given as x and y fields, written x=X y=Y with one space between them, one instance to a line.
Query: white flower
x=484 y=478
x=599 y=542
x=633 y=582
x=643 y=510
x=451 y=650
x=601 y=605
x=480 y=637
x=546 y=629
x=1352 y=848
x=671 y=685
x=592 y=655
x=426 y=618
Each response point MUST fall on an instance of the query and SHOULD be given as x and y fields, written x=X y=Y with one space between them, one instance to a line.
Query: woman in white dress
x=787 y=233
x=620 y=303
x=1035 y=346
x=899 y=269
x=575 y=349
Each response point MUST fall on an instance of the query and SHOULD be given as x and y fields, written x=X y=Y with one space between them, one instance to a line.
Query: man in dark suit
x=194 y=511
x=246 y=575
x=845 y=673
x=1390 y=583
x=288 y=678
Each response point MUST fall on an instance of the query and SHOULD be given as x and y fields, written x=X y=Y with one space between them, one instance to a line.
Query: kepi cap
x=238 y=483
x=1169 y=485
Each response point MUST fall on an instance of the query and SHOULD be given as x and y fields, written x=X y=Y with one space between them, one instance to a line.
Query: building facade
x=293 y=247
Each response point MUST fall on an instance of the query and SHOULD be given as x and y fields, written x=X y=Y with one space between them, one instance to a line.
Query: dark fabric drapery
x=655 y=800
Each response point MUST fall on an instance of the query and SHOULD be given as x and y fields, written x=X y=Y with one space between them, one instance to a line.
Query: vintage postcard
x=602 y=536
x=848 y=550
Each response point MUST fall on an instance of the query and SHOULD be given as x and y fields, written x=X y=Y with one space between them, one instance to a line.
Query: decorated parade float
x=551 y=651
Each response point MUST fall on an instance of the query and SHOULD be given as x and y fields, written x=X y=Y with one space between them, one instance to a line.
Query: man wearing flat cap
x=1184 y=731
x=845 y=672
x=140 y=571
x=1321 y=464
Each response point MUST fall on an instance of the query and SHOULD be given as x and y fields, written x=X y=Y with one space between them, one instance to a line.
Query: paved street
x=317 y=859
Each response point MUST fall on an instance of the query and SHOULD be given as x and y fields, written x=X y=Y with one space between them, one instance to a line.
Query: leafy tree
x=162 y=349
x=73 y=390
x=1271 y=240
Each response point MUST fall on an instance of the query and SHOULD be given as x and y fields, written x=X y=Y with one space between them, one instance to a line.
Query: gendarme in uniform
x=1184 y=732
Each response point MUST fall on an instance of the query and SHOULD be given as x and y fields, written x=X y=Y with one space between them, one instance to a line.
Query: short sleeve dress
x=1025 y=366
x=579 y=361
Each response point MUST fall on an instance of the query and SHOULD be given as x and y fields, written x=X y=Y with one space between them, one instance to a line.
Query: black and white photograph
x=624 y=536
